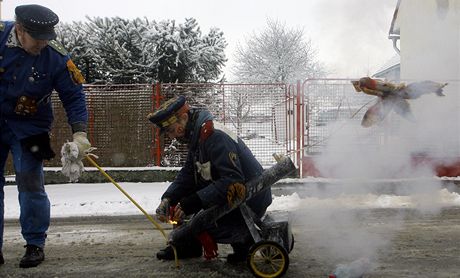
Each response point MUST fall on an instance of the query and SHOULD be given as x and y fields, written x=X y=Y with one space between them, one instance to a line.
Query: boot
x=236 y=258
x=2 y=261
x=240 y=252
x=33 y=257
x=184 y=251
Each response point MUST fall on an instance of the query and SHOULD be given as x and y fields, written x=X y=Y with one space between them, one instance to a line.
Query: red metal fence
x=119 y=128
x=332 y=105
x=297 y=120
x=289 y=119
x=117 y=124
x=246 y=109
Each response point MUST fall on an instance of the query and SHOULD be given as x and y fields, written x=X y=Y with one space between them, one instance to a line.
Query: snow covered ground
x=337 y=224
x=101 y=199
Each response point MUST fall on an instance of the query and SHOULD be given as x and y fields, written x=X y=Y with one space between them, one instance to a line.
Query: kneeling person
x=217 y=160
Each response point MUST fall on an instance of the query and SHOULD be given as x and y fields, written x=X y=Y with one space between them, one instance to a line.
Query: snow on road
x=98 y=199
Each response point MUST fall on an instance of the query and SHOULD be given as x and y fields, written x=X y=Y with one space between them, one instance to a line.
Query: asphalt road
x=415 y=245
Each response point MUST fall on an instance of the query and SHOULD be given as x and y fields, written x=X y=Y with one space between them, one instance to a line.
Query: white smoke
x=349 y=232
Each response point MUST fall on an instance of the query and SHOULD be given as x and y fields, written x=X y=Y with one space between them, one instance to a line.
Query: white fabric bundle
x=72 y=167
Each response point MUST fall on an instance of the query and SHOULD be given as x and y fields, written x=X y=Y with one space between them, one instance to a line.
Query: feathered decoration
x=393 y=97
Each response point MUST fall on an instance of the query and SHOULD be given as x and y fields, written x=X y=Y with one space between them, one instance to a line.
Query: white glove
x=163 y=210
x=72 y=167
x=81 y=140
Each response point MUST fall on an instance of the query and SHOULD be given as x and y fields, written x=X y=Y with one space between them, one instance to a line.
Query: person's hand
x=191 y=204
x=162 y=210
x=81 y=140
x=72 y=167
x=178 y=215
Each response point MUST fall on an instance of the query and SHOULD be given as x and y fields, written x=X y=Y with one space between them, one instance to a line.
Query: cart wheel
x=268 y=259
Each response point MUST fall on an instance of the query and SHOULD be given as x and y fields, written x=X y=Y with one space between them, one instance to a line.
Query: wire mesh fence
x=119 y=129
x=270 y=118
x=332 y=106
x=245 y=109
x=117 y=124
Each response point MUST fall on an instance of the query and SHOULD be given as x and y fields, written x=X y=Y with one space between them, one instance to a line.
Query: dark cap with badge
x=168 y=112
x=38 y=21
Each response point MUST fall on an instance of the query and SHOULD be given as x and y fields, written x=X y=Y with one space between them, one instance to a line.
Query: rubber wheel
x=292 y=243
x=268 y=259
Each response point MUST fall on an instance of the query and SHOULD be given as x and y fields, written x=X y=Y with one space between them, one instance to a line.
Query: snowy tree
x=184 y=55
x=117 y=50
x=277 y=55
x=239 y=108
x=76 y=41
x=211 y=55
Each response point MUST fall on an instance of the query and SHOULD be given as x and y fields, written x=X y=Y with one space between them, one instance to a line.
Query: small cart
x=273 y=239
x=269 y=256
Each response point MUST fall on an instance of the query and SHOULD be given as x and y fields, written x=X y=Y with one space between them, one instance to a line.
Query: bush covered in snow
x=125 y=51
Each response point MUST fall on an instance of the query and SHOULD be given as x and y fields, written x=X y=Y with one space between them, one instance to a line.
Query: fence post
x=223 y=103
x=156 y=98
x=304 y=120
x=290 y=121
x=299 y=125
x=90 y=118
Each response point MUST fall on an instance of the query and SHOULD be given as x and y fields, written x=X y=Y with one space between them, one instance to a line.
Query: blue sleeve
x=70 y=93
x=184 y=183
x=226 y=166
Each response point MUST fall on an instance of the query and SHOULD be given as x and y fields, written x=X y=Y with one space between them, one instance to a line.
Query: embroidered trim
x=75 y=73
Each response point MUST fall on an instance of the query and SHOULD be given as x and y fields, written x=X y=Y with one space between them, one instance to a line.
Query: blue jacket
x=230 y=162
x=36 y=77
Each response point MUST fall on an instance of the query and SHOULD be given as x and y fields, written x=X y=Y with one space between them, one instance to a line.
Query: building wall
x=430 y=50
x=392 y=74
x=430 y=39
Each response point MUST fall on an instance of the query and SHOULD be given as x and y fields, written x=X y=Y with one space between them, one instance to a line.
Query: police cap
x=168 y=112
x=38 y=21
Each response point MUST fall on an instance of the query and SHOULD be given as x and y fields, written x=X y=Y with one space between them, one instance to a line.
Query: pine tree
x=116 y=50
x=184 y=55
x=74 y=37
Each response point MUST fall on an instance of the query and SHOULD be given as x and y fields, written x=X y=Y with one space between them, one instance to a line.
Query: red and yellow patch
x=75 y=73
x=207 y=129
x=236 y=194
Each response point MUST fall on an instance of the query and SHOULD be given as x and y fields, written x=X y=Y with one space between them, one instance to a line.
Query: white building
x=426 y=35
x=429 y=39
x=390 y=71
x=426 y=38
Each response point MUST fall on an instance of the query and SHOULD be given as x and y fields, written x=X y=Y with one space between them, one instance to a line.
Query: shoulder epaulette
x=2 y=26
x=207 y=129
x=58 y=47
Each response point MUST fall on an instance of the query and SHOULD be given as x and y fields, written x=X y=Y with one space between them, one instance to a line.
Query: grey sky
x=349 y=35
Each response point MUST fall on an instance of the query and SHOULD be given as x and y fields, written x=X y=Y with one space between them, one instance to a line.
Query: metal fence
x=117 y=124
x=332 y=105
x=119 y=129
x=290 y=119
x=245 y=109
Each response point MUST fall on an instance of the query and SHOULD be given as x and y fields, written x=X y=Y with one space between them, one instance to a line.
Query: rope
x=150 y=218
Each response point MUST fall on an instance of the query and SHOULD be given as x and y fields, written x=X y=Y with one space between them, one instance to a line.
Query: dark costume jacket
x=33 y=78
x=217 y=159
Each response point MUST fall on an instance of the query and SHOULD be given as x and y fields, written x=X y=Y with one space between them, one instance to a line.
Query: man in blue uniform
x=32 y=65
x=218 y=162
